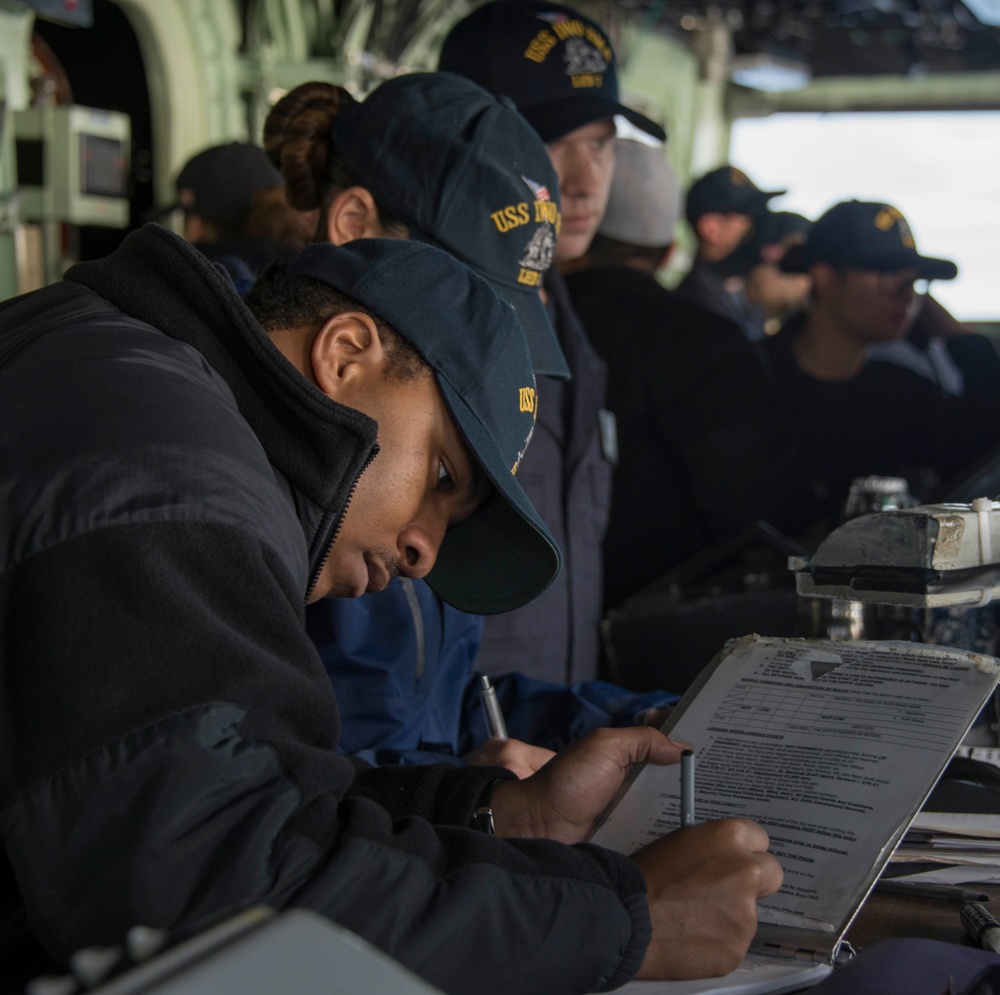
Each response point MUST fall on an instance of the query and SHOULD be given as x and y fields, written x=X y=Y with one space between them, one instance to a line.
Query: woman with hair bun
x=434 y=157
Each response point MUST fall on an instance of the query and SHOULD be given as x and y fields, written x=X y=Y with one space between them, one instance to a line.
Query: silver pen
x=491 y=706
x=687 y=788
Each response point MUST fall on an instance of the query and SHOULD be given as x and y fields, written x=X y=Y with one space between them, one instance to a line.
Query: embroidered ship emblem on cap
x=537 y=256
x=583 y=59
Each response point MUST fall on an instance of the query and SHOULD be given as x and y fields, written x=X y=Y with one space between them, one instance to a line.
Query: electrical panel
x=73 y=165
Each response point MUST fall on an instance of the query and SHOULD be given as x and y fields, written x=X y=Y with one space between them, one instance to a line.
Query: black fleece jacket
x=167 y=733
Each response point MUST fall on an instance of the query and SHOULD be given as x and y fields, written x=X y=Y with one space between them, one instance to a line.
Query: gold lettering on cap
x=511 y=216
x=587 y=81
x=599 y=42
x=889 y=216
x=528 y=398
x=531 y=431
x=540 y=45
x=546 y=210
x=568 y=29
x=514 y=215
x=529 y=277
x=885 y=218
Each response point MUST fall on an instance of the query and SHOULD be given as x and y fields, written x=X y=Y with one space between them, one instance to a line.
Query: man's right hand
x=703 y=884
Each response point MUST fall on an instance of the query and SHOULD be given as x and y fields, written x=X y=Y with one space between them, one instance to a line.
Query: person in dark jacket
x=703 y=452
x=722 y=207
x=855 y=415
x=234 y=210
x=560 y=69
x=182 y=476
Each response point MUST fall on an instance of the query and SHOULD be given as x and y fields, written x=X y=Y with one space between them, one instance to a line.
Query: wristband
x=482 y=815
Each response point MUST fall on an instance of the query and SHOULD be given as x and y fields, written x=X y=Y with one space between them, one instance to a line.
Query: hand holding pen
x=499 y=750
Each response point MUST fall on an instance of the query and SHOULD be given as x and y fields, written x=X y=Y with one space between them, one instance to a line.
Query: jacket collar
x=317 y=445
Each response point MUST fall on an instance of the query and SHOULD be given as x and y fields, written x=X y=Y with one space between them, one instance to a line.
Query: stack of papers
x=832 y=747
x=952 y=838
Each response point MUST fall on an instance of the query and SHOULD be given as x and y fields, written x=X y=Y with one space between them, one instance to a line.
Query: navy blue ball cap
x=780 y=226
x=219 y=183
x=865 y=235
x=726 y=190
x=555 y=64
x=465 y=172
x=502 y=556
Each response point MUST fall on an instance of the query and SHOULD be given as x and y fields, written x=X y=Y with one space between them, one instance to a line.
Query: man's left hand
x=563 y=800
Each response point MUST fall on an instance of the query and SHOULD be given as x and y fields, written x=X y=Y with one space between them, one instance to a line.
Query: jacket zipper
x=340 y=521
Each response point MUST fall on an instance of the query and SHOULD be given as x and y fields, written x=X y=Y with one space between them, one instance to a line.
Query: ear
x=353 y=214
x=824 y=277
x=347 y=356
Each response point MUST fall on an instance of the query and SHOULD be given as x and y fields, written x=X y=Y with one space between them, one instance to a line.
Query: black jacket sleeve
x=168 y=742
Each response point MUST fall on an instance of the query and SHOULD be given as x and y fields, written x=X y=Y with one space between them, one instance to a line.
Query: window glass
x=939 y=168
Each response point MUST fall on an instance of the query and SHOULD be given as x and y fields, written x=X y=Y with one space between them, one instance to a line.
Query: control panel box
x=73 y=165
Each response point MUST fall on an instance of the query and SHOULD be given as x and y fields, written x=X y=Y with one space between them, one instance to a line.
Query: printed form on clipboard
x=832 y=747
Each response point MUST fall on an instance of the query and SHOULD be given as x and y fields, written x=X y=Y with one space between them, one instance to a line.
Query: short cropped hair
x=279 y=301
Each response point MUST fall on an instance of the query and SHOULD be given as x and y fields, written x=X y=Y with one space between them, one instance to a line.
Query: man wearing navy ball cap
x=559 y=68
x=858 y=416
x=183 y=473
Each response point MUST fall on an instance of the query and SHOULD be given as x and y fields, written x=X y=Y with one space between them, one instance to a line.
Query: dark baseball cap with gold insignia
x=555 y=64
x=466 y=172
x=726 y=190
x=502 y=556
x=866 y=235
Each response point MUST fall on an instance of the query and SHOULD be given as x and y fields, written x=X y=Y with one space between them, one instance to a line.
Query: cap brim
x=502 y=556
x=753 y=203
x=554 y=118
x=798 y=259
x=757 y=201
x=936 y=269
x=927 y=267
x=547 y=356
x=156 y=213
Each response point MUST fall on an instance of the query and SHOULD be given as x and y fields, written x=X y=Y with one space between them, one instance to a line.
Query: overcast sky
x=942 y=170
